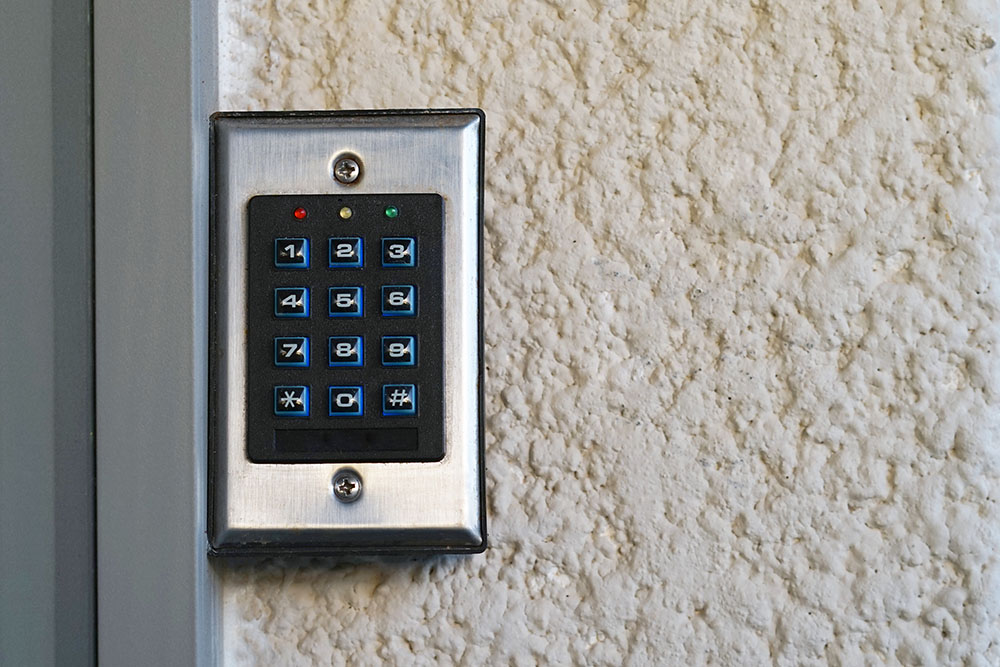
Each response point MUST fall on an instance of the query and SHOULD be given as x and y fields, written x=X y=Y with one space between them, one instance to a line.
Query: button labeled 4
x=291 y=302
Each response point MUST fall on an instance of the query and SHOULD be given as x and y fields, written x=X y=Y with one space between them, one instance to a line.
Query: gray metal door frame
x=154 y=88
x=47 y=583
x=104 y=109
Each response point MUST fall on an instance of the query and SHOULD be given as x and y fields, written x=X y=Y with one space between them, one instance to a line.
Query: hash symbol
x=289 y=400
x=399 y=397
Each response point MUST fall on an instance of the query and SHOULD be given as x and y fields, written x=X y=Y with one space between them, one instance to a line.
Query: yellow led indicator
x=345 y=213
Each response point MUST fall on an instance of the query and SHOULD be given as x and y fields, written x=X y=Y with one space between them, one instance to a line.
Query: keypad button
x=291 y=253
x=291 y=401
x=346 y=351
x=291 y=302
x=346 y=302
x=399 y=350
x=399 y=300
x=346 y=252
x=291 y=351
x=399 y=251
x=346 y=401
x=399 y=400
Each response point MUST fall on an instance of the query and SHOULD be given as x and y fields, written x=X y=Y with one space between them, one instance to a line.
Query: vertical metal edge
x=482 y=354
x=157 y=596
x=46 y=453
x=72 y=255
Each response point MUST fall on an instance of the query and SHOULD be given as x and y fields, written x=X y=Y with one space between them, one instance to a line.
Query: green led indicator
x=391 y=211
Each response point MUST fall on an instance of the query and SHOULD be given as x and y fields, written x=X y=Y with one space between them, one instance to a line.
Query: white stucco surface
x=741 y=331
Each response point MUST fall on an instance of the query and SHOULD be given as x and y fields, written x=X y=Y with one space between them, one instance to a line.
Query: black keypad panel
x=345 y=360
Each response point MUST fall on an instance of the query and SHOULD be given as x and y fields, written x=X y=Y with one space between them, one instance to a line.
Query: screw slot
x=347 y=168
x=346 y=486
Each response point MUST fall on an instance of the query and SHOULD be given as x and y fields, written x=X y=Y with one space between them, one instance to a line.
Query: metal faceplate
x=291 y=507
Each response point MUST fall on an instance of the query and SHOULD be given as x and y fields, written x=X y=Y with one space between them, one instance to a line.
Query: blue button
x=399 y=300
x=346 y=252
x=399 y=251
x=291 y=401
x=291 y=351
x=399 y=350
x=346 y=302
x=346 y=351
x=399 y=400
x=291 y=302
x=347 y=401
x=291 y=253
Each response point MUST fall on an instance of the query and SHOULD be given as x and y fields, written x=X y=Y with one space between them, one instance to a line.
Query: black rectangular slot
x=329 y=444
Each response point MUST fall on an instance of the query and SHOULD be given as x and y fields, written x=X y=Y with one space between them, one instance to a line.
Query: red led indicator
x=300 y=213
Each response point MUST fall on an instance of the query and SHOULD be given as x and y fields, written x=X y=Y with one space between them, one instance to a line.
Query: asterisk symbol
x=289 y=400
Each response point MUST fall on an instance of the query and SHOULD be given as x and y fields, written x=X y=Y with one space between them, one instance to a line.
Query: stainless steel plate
x=290 y=508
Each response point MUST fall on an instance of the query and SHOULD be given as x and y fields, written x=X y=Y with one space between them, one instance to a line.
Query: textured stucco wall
x=742 y=331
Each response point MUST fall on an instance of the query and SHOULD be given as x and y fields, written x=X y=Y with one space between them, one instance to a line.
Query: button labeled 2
x=346 y=252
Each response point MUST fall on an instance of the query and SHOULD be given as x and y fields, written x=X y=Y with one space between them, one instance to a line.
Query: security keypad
x=359 y=377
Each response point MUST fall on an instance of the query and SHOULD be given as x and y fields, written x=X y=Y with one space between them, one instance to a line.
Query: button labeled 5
x=346 y=302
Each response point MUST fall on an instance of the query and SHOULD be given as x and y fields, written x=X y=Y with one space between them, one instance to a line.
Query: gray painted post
x=154 y=86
